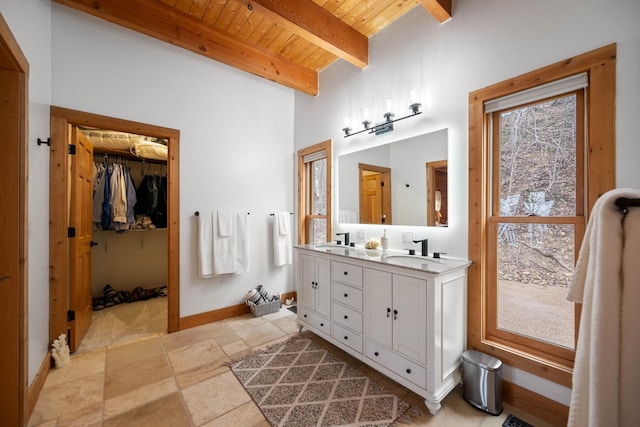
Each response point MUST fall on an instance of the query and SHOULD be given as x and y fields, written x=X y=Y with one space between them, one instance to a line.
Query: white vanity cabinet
x=396 y=313
x=346 y=304
x=314 y=290
x=406 y=321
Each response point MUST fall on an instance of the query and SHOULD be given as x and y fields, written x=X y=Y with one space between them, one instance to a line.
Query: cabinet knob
x=388 y=311
x=346 y=272
x=408 y=371
x=346 y=295
x=376 y=354
x=304 y=315
x=395 y=314
x=321 y=324
x=346 y=317
x=346 y=337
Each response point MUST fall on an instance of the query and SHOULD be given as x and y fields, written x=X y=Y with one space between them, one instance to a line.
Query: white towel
x=224 y=245
x=284 y=221
x=282 y=253
x=225 y=223
x=606 y=376
x=205 y=244
x=242 y=243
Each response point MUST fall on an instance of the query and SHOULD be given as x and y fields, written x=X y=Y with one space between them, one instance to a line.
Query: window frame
x=599 y=175
x=304 y=215
x=495 y=219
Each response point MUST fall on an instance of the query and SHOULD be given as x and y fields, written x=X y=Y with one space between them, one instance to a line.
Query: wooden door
x=80 y=245
x=14 y=359
x=375 y=194
x=10 y=200
x=371 y=199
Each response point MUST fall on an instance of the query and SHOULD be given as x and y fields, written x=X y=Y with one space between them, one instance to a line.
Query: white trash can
x=482 y=381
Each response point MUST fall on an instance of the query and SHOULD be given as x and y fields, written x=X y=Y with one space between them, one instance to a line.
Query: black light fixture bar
x=384 y=127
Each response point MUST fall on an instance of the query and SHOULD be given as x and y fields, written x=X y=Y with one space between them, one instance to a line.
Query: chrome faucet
x=346 y=237
x=425 y=246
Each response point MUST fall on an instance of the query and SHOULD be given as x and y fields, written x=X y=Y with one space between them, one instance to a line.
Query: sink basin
x=408 y=257
x=328 y=245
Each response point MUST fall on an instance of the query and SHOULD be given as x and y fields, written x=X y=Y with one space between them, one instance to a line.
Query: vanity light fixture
x=387 y=125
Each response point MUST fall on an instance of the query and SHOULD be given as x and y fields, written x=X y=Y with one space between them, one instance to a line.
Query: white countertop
x=392 y=257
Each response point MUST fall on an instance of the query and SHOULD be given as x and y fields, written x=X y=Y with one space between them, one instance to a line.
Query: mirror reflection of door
x=437 y=206
x=375 y=194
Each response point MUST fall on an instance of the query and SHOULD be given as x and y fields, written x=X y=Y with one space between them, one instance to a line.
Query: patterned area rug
x=299 y=383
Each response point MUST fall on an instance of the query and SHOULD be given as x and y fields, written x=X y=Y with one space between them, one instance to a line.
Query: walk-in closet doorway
x=70 y=281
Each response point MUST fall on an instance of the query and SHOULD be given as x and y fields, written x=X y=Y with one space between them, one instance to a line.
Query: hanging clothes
x=114 y=196
x=152 y=202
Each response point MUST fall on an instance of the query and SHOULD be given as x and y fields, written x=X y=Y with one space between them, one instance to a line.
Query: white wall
x=30 y=23
x=485 y=42
x=236 y=136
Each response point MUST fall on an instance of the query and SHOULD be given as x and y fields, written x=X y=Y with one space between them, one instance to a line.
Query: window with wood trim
x=534 y=174
x=314 y=193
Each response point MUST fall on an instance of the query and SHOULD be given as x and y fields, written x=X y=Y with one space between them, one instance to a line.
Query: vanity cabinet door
x=315 y=282
x=378 y=320
x=410 y=317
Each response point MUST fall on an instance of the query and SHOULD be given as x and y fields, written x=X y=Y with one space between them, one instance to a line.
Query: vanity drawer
x=346 y=316
x=405 y=368
x=346 y=273
x=347 y=337
x=347 y=295
x=314 y=320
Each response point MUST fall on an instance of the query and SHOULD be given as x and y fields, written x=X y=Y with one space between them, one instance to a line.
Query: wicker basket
x=266 y=308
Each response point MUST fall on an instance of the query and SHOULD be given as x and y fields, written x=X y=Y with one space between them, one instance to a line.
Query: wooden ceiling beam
x=315 y=24
x=440 y=9
x=170 y=25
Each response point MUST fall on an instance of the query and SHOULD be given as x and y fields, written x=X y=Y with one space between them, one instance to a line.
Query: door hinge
x=71 y=232
x=72 y=149
x=71 y=315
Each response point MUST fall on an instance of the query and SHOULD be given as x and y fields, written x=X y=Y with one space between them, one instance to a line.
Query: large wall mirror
x=401 y=183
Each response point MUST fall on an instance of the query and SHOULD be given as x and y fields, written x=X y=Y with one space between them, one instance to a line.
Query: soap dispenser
x=384 y=240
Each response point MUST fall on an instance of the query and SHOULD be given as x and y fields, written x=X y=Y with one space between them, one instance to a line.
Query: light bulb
x=413 y=95
x=365 y=113
x=388 y=105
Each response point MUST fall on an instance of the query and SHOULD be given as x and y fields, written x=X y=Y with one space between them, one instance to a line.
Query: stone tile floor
x=181 y=379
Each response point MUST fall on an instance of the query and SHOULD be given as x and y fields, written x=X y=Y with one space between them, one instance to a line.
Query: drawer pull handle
x=346 y=317
x=395 y=314
x=346 y=337
x=346 y=295
x=408 y=371
x=375 y=354
x=346 y=272
x=388 y=311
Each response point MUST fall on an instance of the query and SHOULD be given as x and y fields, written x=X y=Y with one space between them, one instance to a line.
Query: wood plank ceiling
x=285 y=41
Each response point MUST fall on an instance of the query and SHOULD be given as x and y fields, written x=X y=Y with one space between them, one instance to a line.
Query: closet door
x=80 y=245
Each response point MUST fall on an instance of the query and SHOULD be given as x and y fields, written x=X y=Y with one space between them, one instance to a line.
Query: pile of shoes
x=112 y=297
x=259 y=295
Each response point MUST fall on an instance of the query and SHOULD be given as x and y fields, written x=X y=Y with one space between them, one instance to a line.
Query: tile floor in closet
x=181 y=379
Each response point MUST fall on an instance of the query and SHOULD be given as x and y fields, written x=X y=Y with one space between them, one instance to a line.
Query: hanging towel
x=606 y=377
x=283 y=223
x=205 y=244
x=242 y=243
x=281 y=242
x=225 y=223
x=224 y=244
